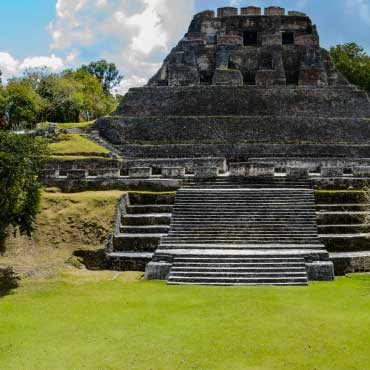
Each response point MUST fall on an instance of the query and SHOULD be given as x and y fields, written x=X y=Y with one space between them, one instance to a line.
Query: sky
x=138 y=34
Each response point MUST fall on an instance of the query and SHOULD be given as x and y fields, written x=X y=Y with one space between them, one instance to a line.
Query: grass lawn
x=110 y=321
x=74 y=144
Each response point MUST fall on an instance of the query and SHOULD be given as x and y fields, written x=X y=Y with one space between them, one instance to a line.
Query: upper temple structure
x=249 y=120
x=240 y=86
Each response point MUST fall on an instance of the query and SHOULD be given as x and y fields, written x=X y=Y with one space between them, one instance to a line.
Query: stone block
x=251 y=10
x=173 y=172
x=140 y=172
x=227 y=12
x=184 y=75
x=206 y=172
x=229 y=40
x=272 y=39
x=312 y=76
x=293 y=13
x=157 y=270
x=109 y=173
x=76 y=174
x=331 y=171
x=261 y=169
x=361 y=171
x=265 y=77
x=274 y=10
x=239 y=169
x=320 y=271
x=228 y=77
x=297 y=173
x=306 y=40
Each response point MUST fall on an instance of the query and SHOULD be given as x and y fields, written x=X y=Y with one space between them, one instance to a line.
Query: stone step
x=335 y=218
x=146 y=229
x=250 y=245
x=147 y=219
x=239 y=284
x=343 y=207
x=237 y=274
x=136 y=242
x=237 y=265
x=237 y=269
x=240 y=280
x=344 y=229
x=151 y=208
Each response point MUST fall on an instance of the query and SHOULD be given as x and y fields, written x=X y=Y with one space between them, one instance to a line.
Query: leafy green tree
x=107 y=74
x=353 y=62
x=21 y=159
x=20 y=105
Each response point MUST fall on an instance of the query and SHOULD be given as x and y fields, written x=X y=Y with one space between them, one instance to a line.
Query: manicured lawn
x=74 y=144
x=105 y=321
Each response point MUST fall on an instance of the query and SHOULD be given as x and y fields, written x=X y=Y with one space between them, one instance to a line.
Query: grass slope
x=74 y=144
x=67 y=222
x=107 y=321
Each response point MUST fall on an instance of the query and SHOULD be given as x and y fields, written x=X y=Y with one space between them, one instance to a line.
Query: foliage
x=19 y=105
x=106 y=73
x=140 y=325
x=21 y=159
x=70 y=96
x=353 y=62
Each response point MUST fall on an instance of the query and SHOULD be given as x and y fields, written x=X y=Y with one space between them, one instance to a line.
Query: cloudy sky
x=137 y=34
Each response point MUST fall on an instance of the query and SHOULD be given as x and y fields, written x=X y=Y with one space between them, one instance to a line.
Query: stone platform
x=230 y=233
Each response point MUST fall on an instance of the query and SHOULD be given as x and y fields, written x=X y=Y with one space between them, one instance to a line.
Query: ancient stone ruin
x=246 y=116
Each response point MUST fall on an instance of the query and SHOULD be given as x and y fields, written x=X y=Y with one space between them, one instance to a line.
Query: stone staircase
x=228 y=232
x=143 y=222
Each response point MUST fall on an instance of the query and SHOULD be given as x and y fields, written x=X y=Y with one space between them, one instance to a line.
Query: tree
x=353 y=62
x=21 y=159
x=106 y=73
x=19 y=104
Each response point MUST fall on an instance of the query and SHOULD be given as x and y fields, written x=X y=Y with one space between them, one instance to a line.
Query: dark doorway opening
x=250 y=38
x=288 y=38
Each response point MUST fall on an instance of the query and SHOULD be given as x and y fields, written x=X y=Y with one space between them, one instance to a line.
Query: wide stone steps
x=222 y=270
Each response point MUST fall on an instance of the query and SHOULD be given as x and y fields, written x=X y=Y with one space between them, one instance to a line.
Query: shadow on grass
x=8 y=281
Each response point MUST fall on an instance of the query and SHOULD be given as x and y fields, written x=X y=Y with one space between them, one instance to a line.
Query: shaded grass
x=108 y=321
x=76 y=144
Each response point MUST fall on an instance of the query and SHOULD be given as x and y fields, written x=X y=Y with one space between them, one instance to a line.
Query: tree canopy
x=21 y=159
x=71 y=96
x=106 y=73
x=353 y=62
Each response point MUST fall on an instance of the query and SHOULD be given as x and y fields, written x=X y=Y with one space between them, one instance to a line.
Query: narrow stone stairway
x=249 y=234
x=143 y=223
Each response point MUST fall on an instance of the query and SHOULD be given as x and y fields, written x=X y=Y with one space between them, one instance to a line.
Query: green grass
x=62 y=126
x=74 y=144
x=98 y=321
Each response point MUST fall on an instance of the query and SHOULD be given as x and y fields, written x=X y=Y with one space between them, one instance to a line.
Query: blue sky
x=66 y=33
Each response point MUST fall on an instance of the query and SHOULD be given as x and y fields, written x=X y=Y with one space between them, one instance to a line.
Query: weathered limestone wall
x=244 y=101
x=242 y=152
x=217 y=130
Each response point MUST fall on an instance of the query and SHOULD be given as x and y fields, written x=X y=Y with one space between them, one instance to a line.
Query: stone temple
x=249 y=113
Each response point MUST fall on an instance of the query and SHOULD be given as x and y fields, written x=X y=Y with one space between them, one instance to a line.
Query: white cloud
x=127 y=83
x=53 y=63
x=134 y=34
x=11 y=67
